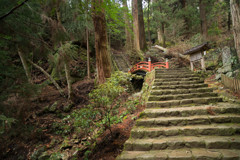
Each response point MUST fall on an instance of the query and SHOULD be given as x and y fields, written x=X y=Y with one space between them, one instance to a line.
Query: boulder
x=218 y=76
x=229 y=74
x=227 y=68
x=226 y=55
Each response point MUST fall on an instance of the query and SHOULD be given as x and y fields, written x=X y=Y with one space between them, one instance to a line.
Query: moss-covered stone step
x=182 y=154
x=220 y=108
x=186 y=86
x=192 y=120
x=190 y=130
x=171 y=103
x=172 y=70
x=181 y=96
x=178 y=82
x=181 y=91
x=208 y=142
x=176 y=76
x=175 y=79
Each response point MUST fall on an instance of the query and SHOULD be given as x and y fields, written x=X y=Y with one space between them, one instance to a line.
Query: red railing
x=148 y=66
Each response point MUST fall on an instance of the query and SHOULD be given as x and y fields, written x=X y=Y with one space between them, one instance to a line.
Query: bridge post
x=149 y=64
x=167 y=65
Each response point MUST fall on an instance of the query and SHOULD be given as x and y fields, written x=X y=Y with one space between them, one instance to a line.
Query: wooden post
x=191 y=64
x=203 y=64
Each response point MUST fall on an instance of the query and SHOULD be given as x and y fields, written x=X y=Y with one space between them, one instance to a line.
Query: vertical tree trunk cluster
x=138 y=25
x=103 y=63
x=141 y=26
x=235 y=11
x=148 y=23
x=186 y=21
x=128 y=44
x=204 y=29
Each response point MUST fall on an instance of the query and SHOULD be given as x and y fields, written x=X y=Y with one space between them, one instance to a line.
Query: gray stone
x=227 y=68
x=218 y=76
x=229 y=74
x=226 y=55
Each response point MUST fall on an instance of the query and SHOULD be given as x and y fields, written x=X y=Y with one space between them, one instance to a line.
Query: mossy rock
x=53 y=107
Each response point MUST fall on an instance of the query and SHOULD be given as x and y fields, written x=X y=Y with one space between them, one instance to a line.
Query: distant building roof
x=201 y=47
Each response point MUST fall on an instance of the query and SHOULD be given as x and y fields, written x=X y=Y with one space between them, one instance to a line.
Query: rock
x=220 y=70
x=226 y=55
x=53 y=107
x=227 y=68
x=236 y=73
x=38 y=153
x=218 y=76
x=229 y=74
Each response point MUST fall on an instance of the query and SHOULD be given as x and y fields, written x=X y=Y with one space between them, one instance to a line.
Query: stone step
x=182 y=154
x=178 y=82
x=220 y=108
x=176 y=79
x=228 y=129
x=174 y=103
x=171 y=143
x=176 y=76
x=171 y=70
x=181 y=91
x=174 y=73
x=193 y=120
x=186 y=86
x=181 y=96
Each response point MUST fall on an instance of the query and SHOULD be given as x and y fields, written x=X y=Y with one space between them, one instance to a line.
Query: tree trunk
x=136 y=25
x=25 y=66
x=148 y=20
x=128 y=43
x=204 y=29
x=48 y=76
x=229 y=20
x=235 y=10
x=142 y=38
x=186 y=22
x=162 y=31
x=88 y=56
x=68 y=78
x=159 y=36
x=102 y=57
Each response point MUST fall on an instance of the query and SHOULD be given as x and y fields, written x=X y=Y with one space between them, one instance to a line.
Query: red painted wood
x=148 y=66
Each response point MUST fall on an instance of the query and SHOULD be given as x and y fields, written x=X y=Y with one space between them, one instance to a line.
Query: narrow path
x=184 y=120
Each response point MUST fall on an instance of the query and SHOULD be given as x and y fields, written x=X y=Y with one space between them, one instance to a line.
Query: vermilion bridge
x=148 y=66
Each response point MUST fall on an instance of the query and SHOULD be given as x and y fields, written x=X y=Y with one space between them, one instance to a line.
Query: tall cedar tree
x=128 y=44
x=102 y=57
x=136 y=25
x=235 y=10
x=203 y=19
x=142 y=38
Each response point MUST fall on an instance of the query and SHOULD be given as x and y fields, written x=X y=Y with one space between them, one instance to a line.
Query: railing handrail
x=148 y=66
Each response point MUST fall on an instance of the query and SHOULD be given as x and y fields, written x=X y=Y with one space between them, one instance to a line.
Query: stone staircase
x=184 y=120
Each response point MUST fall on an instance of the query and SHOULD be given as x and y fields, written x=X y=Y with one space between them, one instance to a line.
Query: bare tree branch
x=13 y=9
